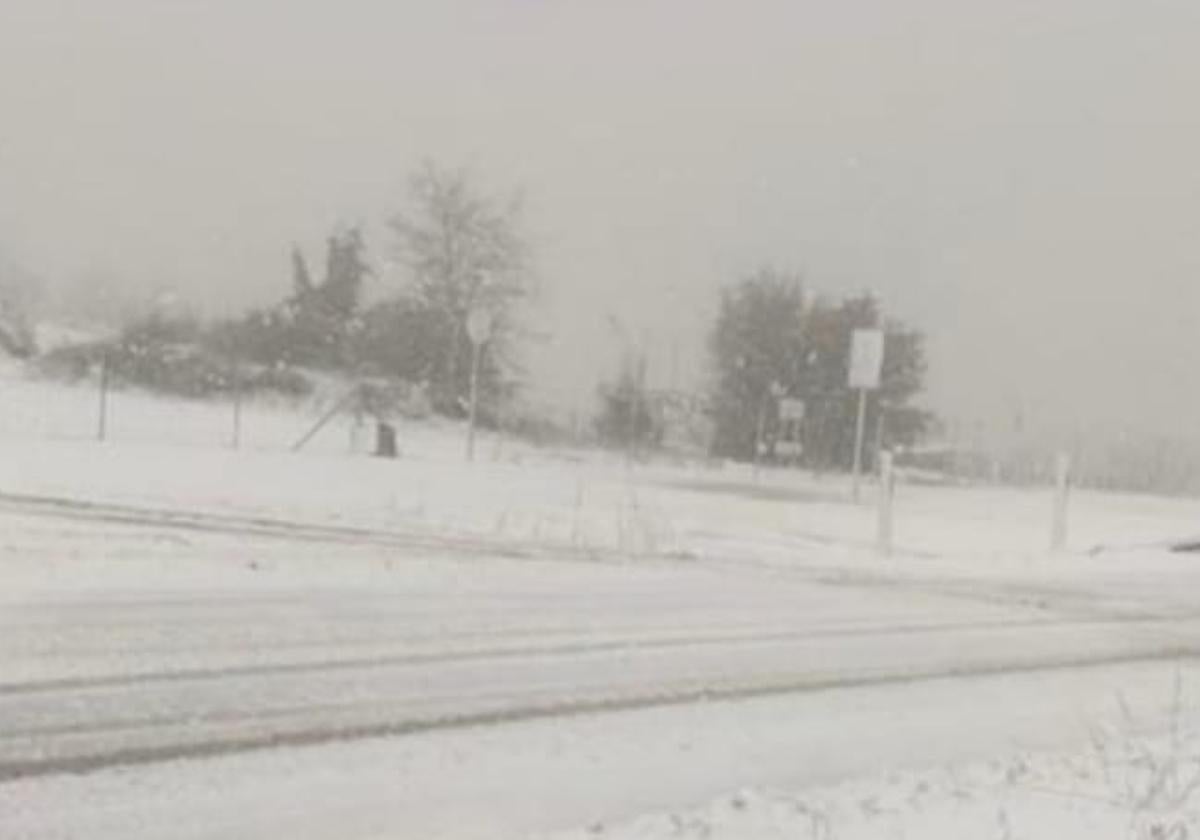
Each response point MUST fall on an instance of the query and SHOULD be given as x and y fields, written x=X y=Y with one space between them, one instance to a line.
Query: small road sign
x=791 y=410
x=866 y=359
x=789 y=449
x=479 y=326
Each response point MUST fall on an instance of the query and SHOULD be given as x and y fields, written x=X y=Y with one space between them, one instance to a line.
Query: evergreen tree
x=769 y=342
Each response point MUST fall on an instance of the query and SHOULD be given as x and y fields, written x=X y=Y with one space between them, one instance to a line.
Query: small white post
x=759 y=431
x=887 y=489
x=102 y=417
x=1062 y=485
x=235 y=433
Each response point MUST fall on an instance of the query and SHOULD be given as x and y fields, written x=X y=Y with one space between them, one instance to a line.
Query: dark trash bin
x=385 y=440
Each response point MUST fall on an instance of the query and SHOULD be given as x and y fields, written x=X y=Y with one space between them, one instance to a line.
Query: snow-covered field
x=175 y=454
x=321 y=644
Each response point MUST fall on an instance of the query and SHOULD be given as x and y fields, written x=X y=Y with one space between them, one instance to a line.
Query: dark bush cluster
x=171 y=356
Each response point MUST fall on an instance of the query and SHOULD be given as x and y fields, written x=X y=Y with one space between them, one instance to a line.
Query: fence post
x=887 y=488
x=235 y=435
x=1062 y=485
x=102 y=419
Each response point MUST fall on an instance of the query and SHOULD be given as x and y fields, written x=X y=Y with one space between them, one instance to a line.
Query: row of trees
x=771 y=341
x=453 y=250
x=457 y=250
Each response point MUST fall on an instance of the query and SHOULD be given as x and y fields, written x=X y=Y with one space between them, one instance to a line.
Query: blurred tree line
x=453 y=250
x=773 y=341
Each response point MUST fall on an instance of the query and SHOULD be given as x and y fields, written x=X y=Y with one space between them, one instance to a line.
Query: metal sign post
x=866 y=369
x=791 y=410
x=775 y=392
x=235 y=435
x=859 y=432
x=791 y=416
x=1062 y=486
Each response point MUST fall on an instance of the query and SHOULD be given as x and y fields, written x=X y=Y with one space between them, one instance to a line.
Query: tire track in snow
x=651 y=697
x=433 y=657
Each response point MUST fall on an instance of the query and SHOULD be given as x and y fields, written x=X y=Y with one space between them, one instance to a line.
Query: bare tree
x=462 y=250
x=20 y=293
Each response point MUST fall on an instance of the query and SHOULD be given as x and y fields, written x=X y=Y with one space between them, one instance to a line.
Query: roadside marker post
x=775 y=399
x=887 y=492
x=1062 y=490
x=102 y=417
x=235 y=432
x=860 y=428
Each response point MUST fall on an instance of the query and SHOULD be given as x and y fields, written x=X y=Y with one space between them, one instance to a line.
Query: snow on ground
x=688 y=550
x=176 y=454
x=1036 y=796
x=592 y=777
x=1123 y=787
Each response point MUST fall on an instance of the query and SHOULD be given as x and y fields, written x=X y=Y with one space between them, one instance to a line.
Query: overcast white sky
x=1019 y=178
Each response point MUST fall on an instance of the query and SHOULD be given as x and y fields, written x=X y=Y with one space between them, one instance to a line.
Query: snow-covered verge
x=1121 y=789
x=172 y=453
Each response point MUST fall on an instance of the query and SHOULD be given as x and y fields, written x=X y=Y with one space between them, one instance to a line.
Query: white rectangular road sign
x=866 y=359
x=791 y=409
x=789 y=448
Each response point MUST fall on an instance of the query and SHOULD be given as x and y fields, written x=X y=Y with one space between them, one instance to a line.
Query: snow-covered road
x=127 y=646
x=373 y=671
x=157 y=667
